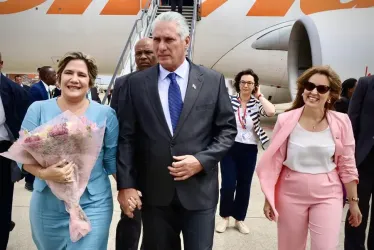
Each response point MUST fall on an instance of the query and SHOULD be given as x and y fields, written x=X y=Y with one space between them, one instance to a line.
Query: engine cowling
x=342 y=39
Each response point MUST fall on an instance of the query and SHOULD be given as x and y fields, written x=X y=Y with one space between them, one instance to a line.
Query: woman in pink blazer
x=301 y=173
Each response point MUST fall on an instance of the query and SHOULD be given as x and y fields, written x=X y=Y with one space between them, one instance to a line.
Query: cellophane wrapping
x=75 y=139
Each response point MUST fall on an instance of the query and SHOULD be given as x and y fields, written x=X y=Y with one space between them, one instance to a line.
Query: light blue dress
x=48 y=217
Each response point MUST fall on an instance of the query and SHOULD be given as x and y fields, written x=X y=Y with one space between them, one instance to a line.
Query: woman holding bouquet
x=48 y=216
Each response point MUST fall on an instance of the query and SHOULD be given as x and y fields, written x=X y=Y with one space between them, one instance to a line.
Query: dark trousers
x=173 y=4
x=162 y=227
x=29 y=178
x=355 y=236
x=237 y=169
x=128 y=232
x=6 y=196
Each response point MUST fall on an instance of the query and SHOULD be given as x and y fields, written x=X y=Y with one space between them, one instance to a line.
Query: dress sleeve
x=110 y=142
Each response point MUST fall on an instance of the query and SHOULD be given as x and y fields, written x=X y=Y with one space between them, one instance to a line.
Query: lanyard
x=242 y=120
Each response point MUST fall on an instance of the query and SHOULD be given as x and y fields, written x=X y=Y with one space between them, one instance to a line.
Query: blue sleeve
x=31 y=120
x=110 y=142
x=32 y=117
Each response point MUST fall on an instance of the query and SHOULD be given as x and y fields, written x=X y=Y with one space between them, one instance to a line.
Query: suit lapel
x=288 y=126
x=195 y=82
x=334 y=127
x=154 y=97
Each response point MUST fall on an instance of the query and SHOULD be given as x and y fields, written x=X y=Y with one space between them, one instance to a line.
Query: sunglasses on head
x=322 y=89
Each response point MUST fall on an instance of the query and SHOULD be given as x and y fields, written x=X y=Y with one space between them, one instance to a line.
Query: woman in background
x=238 y=166
x=48 y=216
x=348 y=87
x=310 y=155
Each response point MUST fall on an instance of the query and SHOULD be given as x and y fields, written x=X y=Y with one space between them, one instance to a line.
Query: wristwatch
x=348 y=200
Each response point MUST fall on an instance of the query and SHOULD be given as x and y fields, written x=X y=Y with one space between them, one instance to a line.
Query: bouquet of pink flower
x=68 y=137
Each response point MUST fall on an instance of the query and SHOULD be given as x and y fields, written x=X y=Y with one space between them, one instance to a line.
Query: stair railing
x=196 y=9
x=126 y=62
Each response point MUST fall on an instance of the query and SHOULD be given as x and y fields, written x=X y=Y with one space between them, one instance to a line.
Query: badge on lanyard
x=242 y=119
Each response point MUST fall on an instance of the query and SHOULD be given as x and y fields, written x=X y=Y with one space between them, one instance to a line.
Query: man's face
x=18 y=80
x=170 y=49
x=51 y=77
x=144 y=56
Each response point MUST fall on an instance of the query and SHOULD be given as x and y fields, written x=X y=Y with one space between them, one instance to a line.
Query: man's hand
x=129 y=200
x=185 y=167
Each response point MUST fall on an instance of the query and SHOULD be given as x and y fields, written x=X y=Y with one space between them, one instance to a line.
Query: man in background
x=348 y=88
x=40 y=91
x=362 y=117
x=174 y=3
x=18 y=80
x=57 y=91
x=128 y=229
x=93 y=94
x=14 y=102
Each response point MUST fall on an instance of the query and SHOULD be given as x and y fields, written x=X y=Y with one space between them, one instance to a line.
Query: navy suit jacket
x=38 y=92
x=25 y=87
x=16 y=100
x=361 y=113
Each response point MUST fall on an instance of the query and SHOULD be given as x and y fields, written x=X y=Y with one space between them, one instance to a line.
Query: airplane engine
x=342 y=39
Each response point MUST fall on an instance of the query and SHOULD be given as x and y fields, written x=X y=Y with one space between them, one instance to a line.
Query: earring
x=329 y=101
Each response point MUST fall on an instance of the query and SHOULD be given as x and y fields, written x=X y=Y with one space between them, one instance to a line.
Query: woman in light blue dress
x=48 y=216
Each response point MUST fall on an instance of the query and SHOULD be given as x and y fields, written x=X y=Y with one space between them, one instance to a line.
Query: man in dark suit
x=144 y=59
x=129 y=229
x=13 y=106
x=173 y=4
x=176 y=123
x=348 y=88
x=18 y=80
x=93 y=94
x=57 y=91
x=40 y=91
x=362 y=117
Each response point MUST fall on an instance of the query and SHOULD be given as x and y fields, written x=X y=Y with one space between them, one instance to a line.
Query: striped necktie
x=175 y=100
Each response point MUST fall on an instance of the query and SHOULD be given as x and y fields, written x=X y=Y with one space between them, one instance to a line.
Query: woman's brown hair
x=335 y=86
x=91 y=66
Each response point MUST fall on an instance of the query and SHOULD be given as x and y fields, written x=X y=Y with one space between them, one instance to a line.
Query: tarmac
x=262 y=236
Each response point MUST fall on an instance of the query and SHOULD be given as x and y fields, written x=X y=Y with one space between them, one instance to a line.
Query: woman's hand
x=268 y=211
x=59 y=172
x=355 y=218
x=258 y=92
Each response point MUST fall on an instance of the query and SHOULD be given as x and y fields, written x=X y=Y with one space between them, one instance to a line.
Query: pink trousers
x=309 y=201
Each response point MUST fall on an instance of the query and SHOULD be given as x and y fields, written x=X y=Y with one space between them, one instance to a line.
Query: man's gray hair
x=172 y=16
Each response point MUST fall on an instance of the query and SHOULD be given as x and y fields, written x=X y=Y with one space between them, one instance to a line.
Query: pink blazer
x=271 y=163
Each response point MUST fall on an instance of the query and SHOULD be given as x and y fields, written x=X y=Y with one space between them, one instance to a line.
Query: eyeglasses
x=244 y=83
x=322 y=89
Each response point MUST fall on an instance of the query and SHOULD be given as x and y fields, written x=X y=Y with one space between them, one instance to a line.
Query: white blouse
x=247 y=135
x=310 y=152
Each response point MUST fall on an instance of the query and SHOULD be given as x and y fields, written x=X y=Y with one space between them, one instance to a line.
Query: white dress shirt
x=89 y=95
x=163 y=87
x=247 y=135
x=310 y=152
x=3 y=131
x=47 y=88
